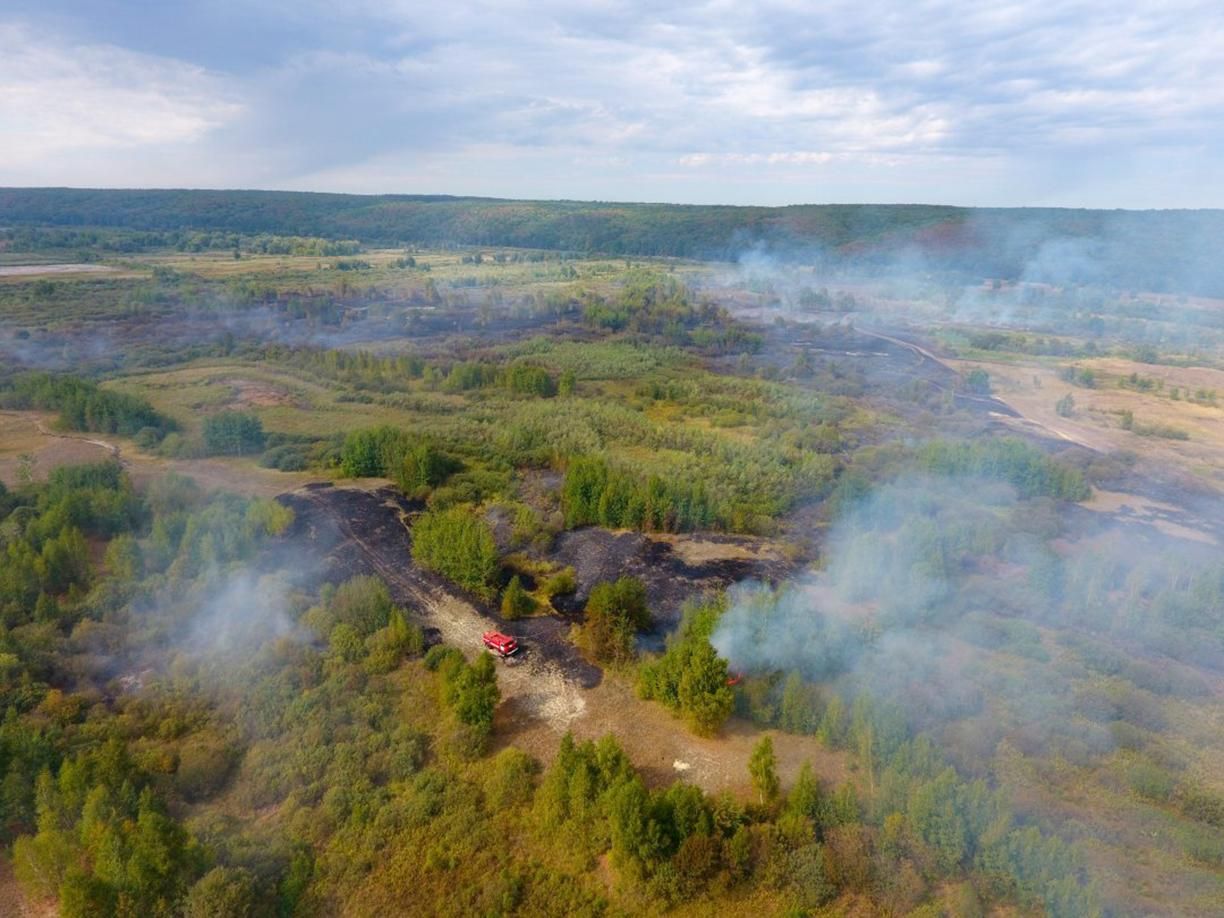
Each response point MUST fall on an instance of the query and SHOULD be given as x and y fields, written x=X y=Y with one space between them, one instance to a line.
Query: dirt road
x=340 y=532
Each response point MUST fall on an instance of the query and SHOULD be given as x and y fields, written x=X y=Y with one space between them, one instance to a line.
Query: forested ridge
x=1151 y=250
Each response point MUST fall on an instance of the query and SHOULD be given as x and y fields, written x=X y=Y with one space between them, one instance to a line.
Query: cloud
x=57 y=99
x=774 y=101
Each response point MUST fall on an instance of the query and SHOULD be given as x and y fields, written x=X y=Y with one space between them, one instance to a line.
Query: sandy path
x=38 y=270
x=548 y=691
x=13 y=903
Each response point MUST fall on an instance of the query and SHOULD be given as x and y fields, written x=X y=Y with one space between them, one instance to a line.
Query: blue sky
x=1062 y=102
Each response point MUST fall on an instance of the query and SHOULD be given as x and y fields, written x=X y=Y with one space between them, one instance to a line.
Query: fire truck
x=500 y=644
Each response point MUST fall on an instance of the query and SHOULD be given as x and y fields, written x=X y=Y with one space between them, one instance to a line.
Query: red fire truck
x=501 y=644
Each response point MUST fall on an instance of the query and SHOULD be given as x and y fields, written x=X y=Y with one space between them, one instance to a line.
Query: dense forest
x=1149 y=250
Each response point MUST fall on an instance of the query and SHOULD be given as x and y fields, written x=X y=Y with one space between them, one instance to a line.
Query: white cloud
x=58 y=99
x=950 y=100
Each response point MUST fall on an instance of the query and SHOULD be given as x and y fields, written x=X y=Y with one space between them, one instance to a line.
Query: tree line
x=83 y=405
x=1152 y=250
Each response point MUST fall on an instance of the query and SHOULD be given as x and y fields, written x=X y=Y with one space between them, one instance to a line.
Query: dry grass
x=28 y=433
x=659 y=744
x=1032 y=387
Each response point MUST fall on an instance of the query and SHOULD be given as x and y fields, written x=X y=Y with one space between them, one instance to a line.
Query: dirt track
x=350 y=531
x=339 y=532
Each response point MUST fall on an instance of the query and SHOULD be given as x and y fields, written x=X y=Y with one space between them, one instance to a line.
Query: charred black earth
x=341 y=532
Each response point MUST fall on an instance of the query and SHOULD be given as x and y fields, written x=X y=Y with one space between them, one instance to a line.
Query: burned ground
x=340 y=533
x=598 y=555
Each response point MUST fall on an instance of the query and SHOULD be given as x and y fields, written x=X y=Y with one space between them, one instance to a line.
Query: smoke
x=981 y=616
x=240 y=614
x=1122 y=276
x=883 y=612
x=151 y=339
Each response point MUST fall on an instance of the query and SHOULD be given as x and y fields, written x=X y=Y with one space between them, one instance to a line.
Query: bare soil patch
x=24 y=433
x=662 y=747
x=39 y=270
x=251 y=393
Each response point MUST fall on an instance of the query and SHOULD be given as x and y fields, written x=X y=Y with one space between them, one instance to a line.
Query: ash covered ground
x=341 y=532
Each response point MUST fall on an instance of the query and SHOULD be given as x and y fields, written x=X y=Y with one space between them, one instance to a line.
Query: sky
x=1078 y=103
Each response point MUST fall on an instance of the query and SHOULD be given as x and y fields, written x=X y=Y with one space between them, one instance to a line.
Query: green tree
x=516 y=601
x=805 y=799
x=233 y=433
x=799 y=710
x=615 y=611
x=123 y=560
x=423 y=467
x=978 y=381
x=458 y=544
x=65 y=561
x=705 y=698
x=763 y=768
x=472 y=693
x=373 y=453
x=362 y=602
x=223 y=892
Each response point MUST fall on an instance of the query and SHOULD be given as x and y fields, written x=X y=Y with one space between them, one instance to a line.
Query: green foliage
x=472 y=695
x=977 y=381
x=458 y=544
x=141 y=859
x=223 y=892
x=362 y=602
x=233 y=433
x=82 y=405
x=373 y=453
x=524 y=379
x=512 y=782
x=388 y=646
x=763 y=769
x=516 y=601
x=594 y=493
x=799 y=711
x=561 y=583
x=204 y=765
x=1078 y=376
x=615 y=612
x=1147 y=249
x=1025 y=467
x=690 y=678
x=424 y=466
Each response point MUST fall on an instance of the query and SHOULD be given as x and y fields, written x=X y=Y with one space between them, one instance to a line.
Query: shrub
x=372 y=453
x=204 y=766
x=233 y=433
x=516 y=602
x=615 y=611
x=562 y=583
x=458 y=544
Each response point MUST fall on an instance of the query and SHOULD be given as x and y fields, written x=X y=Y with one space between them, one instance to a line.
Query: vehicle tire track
x=539 y=684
